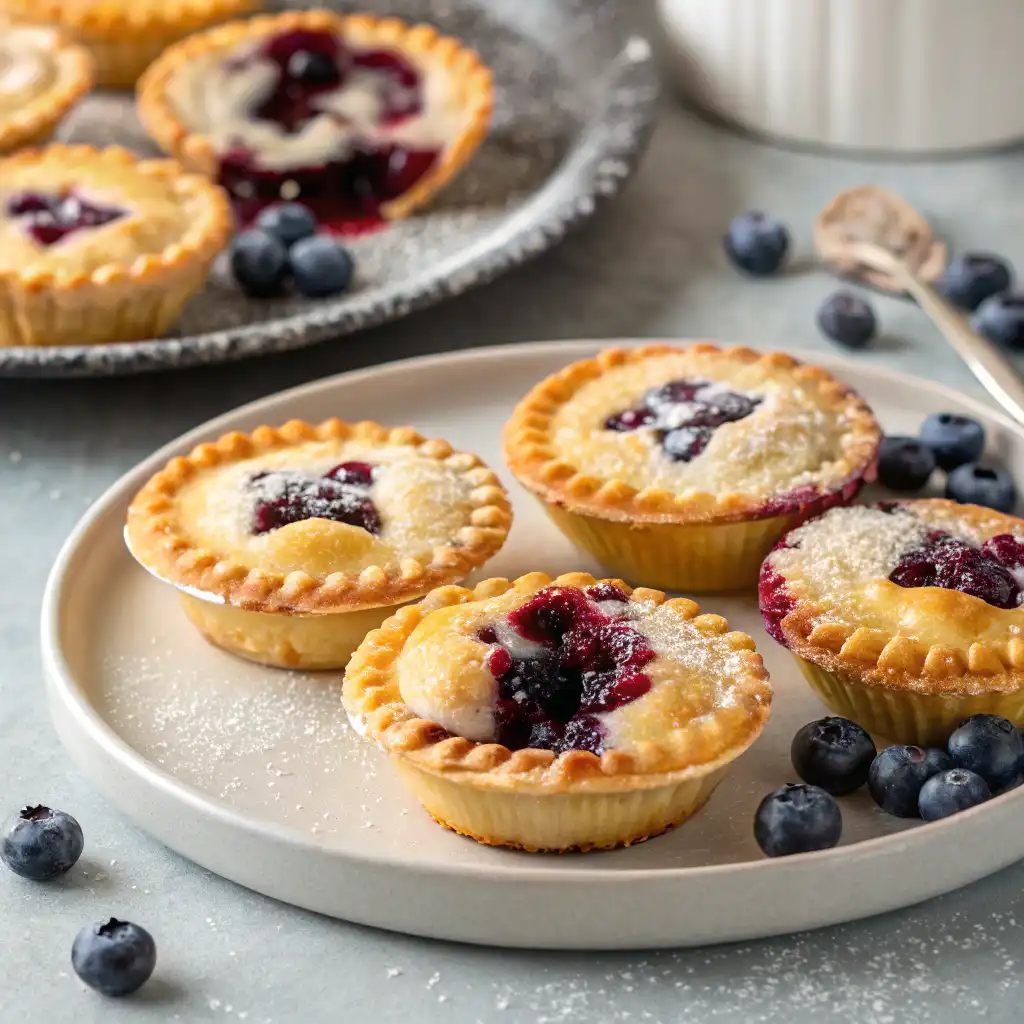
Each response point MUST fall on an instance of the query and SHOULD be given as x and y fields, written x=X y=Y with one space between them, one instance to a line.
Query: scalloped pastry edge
x=35 y=120
x=162 y=547
x=885 y=659
x=533 y=458
x=370 y=695
x=463 y=65
x=201 y=241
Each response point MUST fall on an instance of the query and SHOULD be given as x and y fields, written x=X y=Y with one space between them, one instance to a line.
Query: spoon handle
x=983 y=358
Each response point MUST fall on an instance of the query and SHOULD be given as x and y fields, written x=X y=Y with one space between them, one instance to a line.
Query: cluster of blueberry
x=114 y=957
x=284 y=244
x=835 y=757
x=979 y=283
x=954 y=444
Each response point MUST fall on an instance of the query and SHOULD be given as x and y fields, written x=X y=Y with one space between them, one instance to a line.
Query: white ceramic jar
x=900 y=76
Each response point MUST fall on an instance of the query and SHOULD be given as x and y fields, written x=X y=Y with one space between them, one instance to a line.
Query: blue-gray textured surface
x=650 y=264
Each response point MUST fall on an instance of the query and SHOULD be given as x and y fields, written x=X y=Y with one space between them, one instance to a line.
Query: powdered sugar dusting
x=846 y=548
x=422 y=502
x=794 y=437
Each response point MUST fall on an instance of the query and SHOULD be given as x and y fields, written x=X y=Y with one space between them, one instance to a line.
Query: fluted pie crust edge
x=160 y=542
x=371 y=696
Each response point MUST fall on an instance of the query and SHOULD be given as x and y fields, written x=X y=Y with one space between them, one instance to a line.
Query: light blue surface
x=649 y=265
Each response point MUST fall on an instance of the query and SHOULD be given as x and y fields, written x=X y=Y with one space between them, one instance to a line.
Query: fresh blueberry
x=975 y=484
x=905 y=463
x=1001 y=319
x=898 y=773
x=757 y=243
x=797 y=819
x=833 y=753
x=951 y=791
x=321 y=266
x=41 y=844
x=972 y=278
x=954 y=439
x=259 y=262
x=991 y=747
x=287 y=222
x=847 y=320
x=313 y=68
x=113 y=957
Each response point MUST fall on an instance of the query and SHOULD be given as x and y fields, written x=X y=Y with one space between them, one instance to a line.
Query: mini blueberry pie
x=904 y=616
x=359 y=118
x=125 y=36
x=555 y=715
x=42 y=76
x=287 y=545
x=97 y=245
x=680 y=467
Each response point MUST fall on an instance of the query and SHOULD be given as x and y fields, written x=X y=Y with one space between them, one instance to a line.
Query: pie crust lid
x=845 y=615
x=536 y=455
x=22 y=48
x=694 y=748
x=469 y=79
x=126 y=251
x=158 y=534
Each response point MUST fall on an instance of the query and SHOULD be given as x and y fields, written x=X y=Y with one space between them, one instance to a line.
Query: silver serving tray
x=576 y=93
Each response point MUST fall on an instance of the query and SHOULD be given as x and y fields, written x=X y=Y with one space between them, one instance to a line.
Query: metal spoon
x=865 y=248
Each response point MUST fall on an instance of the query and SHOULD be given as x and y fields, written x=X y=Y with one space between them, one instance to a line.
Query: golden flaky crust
x=469 y=76
x=115 y=301
x=35 y=120
x=159 y=540
x=125 y=36
x=988 y=662
x=371 y=696
x=533 y=457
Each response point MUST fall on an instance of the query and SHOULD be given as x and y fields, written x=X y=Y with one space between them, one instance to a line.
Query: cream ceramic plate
x=255 y=774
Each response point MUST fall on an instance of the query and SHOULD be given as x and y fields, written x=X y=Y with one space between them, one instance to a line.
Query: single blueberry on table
x=951 y=791
x=1001 y=319
x=321 y=266
x=898 y=773
x=40 y=843
x=114 y=957
x=847 y=320
x=989 y=486
x=757 y=243
x=989 y=746
x=954 y=439
x=287 y=222
x=259 y=263
x=973 y=277
x=833 y=753
x=905 y=463
x=797 y=819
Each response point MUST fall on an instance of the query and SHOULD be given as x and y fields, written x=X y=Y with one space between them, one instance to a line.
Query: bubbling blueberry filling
x=49 y=217
x=345 y=193
x=994 y=572
x=684 y=415
x=281 y=497
x=991 y=572
x=583 y=661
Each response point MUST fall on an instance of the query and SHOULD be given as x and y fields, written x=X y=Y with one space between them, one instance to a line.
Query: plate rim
x=62 y=686
x=603 y=156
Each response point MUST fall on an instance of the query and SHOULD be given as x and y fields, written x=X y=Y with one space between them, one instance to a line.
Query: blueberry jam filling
x=582 y=662
x=48 y=217
x=684 y=415
x=281 y=497
x=345 y=193
x=948 y=562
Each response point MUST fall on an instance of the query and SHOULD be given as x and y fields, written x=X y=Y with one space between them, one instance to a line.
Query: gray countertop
x=650 y=264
